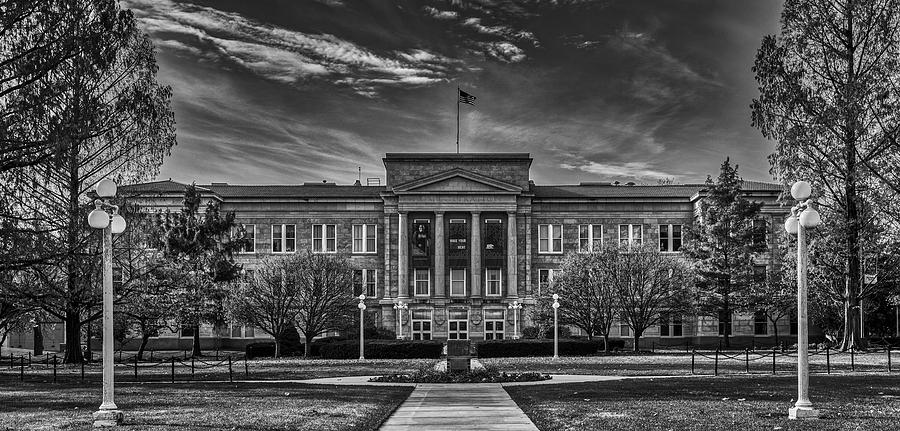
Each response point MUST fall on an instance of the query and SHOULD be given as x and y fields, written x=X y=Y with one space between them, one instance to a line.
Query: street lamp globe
x=790 y=225
x=810 y=218
x=361 y=306
x=106 y=188
x=801 y=190
x=555 y=297
x=118 y=224
x=99 y=219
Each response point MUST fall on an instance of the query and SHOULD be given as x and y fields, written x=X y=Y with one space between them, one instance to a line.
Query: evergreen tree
x=723 y=242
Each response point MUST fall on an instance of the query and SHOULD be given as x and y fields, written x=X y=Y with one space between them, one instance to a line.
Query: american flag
x=466 y=98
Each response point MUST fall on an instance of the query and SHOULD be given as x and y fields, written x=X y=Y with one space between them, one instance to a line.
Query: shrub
x=531 y=332
x=614 y=344
x=541 y=347
x=564 y=332
x=382 y=349
x=488 y=374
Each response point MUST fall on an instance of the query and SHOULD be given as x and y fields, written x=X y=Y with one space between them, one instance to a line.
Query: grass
x=259 y=369
x=858 y=402
x=679 y=363
x=202 y=406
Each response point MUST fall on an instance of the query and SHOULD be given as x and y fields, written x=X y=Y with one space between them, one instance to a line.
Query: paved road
x=481 y=406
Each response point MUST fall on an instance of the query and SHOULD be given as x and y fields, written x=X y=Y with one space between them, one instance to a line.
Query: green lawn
x=858 y=402
x=202 y=406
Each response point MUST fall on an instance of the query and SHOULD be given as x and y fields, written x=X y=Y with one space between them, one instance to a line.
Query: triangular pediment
x=457 y=181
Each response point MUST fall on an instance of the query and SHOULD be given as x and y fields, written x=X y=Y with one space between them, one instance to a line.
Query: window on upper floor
x=250 y=245
x=284 y=238
x=324 y=238
x=493 y=279
x=364 y=238
x=545 y=279
x=550 y=238
x=631 y=234
x=365 y=282
x=669 y=238
x=590 y=237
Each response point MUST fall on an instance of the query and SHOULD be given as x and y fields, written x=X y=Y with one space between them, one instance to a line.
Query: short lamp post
x=108 y=415
x=555 y=326
x=515 y=307
x=803 y=216
x=362 y=328
x=398 y=310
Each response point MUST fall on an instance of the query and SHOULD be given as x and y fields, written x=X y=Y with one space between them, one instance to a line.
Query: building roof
x=605 y=190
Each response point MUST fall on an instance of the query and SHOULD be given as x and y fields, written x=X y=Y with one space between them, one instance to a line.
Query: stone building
x=460 y=236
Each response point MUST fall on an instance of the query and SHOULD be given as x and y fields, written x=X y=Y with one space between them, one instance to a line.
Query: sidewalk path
x=481 y=406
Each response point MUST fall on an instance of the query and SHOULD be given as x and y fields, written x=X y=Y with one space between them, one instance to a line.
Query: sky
x=289 y=91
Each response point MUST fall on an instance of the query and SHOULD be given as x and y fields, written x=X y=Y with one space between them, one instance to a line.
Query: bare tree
x=268 y=298
x=325 y=299
x=648 y=285
x=584 y=283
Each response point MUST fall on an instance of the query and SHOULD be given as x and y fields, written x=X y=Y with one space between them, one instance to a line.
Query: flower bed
x=487 y=374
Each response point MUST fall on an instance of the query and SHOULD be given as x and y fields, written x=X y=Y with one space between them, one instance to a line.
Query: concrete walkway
x=481 y=406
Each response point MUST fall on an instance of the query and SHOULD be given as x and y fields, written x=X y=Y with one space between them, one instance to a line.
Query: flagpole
x=457 y=120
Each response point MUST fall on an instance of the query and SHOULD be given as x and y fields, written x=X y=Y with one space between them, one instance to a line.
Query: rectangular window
x=590 y=237
x=493 y=324
x=760 y=323
x=792 y=317
x=550 y=238
x=241 y=331
x=492 y=277
x=364 y=282
x=323 y=238
x=250 y=245
x=724 y=323
x=759 y=273
x=458 y=325
x=670 y=327
x=118 y=278
x=631 y=234
x=545 y=279
x=422 y=280
x=624 y=330
x=364 y=238
x=457 y=282
x=284 y=238
x=669 y=238
x=421 y=324
x=760 y=231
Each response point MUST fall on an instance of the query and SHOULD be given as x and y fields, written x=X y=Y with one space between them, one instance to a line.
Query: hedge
x=382 y=349
x=541 y=347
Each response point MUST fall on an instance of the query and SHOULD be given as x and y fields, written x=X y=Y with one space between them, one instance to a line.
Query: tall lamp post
x=362 y=328
x=555 y=326
x=108 y=415
x=803 y=216
x=515 y=307
x=398 y=310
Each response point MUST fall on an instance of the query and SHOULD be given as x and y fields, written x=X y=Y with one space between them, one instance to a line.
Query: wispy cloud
x=440 y=14
x=285 y=55
x=637 y=170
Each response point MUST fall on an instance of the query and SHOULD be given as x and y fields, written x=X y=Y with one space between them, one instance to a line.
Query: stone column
x=476 y=255
x=512 y=254
x=402 y=257
x=384 y=290
x=439 y=255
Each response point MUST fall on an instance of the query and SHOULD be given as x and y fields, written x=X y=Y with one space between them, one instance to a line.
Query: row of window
x=422 y=281
x=590 y=237
x=323 y=236
x=457 y=324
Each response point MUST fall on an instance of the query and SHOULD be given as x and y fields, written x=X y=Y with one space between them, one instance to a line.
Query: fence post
x=192 y=368
x=852 y=359
x=774 y=353
x=151 y=354
x=173 y=369
x=230 y=372
x=652 y=346
x=747 y=360
x=827 y=360
x=246 y=367
x=889 y=357
x=54 y=368
x=82 y=371
x=693 y=354
x=717 y=362
x=135 y=367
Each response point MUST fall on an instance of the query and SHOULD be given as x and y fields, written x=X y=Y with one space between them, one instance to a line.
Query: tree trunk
x=277 y=347
x=637 y=339
x=38 y=340
x=73 y=353
x=88 y=351
x=606 y=343
x=145 y=337
x=196 y=352
x=307 y=341
x=775 y=328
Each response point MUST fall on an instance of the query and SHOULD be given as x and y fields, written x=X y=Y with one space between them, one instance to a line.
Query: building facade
x=461 y=236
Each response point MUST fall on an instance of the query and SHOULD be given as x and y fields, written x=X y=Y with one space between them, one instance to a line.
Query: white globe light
x=106 y=188
x=118 y=224
x=810 y=218
x=362 y=297
x=98 y=219
x=801 y=190
x=790 y=225
x=555 y=297
x=555 y=305
x=361 y=306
